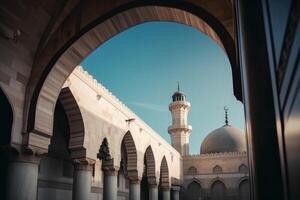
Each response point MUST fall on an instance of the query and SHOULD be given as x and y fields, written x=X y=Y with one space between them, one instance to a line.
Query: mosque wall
x=104 y=116
x=17 y=54
x=229 y=168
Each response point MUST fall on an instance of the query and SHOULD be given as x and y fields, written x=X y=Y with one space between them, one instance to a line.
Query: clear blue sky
x=141 y=67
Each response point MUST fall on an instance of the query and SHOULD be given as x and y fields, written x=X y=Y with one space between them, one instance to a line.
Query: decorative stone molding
x=109 y=168
x=152 y=181
x=173 y=128
x=132 y=175
x=137 y=180
x=99 y=89
x=84 y=165
x=179 y=104
x=165 y=188
x=222 y=154
x=176 y=182
x=175 y=188
x=25 y=155
x=104 y=151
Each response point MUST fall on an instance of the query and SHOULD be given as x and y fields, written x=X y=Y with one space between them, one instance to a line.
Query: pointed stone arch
x=243 y=168
x=76 y=123
x=78 y=36
x=218 y=190
x=217 y=169
x=164 y=174
x=244 y=190
x=150 y=165
x=194 y=190
x=6 y=120
x=192 y=170
x=129 y=156
x=6 y=125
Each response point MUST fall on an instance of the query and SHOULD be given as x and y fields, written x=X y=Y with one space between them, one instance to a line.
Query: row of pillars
x=22 y=182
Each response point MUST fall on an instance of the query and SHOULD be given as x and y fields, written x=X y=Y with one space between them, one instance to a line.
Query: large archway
x=164 y=180
x=129 y=157
x=57 y=165
x=244 y=190
x=149 y=177
x=44 y=88
x=6 y=118
x=218 y=190
x=75 y=121
x=6 y=121
x=194 y=191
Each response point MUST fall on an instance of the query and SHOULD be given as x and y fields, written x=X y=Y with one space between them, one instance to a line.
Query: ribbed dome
x=224 y=139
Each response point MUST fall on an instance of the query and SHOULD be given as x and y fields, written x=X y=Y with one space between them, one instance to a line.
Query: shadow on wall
x=6 y=120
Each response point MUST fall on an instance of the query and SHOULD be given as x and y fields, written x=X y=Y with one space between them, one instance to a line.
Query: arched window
x=217 y=169
x=218 y=191
x=244 y=190
x=192 y=171
x=243 y=168
x=194 y=191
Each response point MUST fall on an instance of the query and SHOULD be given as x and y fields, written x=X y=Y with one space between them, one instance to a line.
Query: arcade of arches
x=55 y=145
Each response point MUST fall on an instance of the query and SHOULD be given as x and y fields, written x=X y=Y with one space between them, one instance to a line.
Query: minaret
x=180 y=130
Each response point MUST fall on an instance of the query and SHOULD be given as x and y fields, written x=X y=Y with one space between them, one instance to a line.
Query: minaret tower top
x=180 y=130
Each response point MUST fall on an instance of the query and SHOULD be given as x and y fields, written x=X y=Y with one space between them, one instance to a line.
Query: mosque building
x=101 y=150
x=220 y=171
x=66 y=137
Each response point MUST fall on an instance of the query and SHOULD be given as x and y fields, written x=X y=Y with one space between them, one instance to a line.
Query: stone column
x=110 y=184
x=22 y=177
x=135 y=189
x=166 y=194
x=153 y=192
x=175 y=192
x=82 y=180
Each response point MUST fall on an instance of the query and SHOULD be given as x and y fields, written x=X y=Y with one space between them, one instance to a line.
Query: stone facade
x=103 y=116
x=220 y=171
x=202 y=171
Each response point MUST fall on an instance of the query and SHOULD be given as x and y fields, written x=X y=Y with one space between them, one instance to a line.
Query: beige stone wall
x=231 y=176
x=104 y=116
x=17 y=56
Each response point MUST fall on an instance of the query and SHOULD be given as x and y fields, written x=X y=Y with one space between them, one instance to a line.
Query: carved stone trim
x=84 y=165
x=109 y=168
x=152 y=181
x=136 y=180
x=175 y=188
x=165 y=188
x=110 y=172
x=176 y=182
x=104 y=151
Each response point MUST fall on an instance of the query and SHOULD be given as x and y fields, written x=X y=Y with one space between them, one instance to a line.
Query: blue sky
x=142 y=65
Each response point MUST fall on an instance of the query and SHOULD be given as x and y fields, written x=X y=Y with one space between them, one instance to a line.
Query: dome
x=224 y=139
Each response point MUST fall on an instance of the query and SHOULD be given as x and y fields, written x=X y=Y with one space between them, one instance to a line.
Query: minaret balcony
x=179 y=104
x=177 y=128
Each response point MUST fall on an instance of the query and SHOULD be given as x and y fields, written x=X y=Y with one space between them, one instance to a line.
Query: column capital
x=176 y=182
x=165 y=188
x=22 y=154
x=152 y=181
x=175 y=188
x=135 y=180
x=83 y=164
x=153 y=185
x=109 y=168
